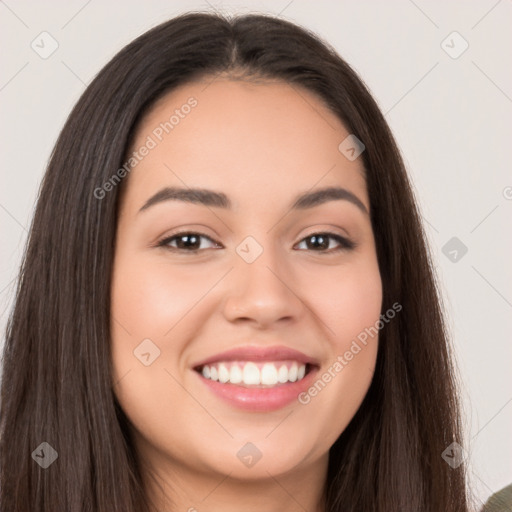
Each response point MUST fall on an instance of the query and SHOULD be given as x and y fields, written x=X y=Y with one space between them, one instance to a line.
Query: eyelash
x=345 y=243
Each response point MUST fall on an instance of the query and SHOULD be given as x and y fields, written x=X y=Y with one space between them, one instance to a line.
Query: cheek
x=349 y=307
x=151 y=299
x=348 y=301
x=156 y=302
x=147 y=302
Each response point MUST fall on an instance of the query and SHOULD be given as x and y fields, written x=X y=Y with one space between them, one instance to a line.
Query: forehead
x=255 y=141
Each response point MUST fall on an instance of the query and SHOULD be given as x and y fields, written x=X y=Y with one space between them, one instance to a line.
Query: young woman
x=227 y=300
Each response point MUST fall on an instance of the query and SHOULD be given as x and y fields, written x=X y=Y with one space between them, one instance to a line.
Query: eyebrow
x=212 y=198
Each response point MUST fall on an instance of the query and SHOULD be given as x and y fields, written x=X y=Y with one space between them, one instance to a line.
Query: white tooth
x=206 y=372
x=292 y=374
x=213 y=373
x=235 y=375
x=282 y=374
x=269 y=374
x=302 y=372
x=251 y=374
x=223 y=373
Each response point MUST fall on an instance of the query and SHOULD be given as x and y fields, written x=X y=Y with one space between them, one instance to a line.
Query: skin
x=261 y=144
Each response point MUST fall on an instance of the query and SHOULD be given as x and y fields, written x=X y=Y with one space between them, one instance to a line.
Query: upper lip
x=253 y=353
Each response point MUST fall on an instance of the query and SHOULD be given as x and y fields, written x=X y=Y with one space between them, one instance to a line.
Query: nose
x=263 y=292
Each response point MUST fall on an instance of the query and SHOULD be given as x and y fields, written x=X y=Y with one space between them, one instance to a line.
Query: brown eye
x=320 y=242
x=186 y=241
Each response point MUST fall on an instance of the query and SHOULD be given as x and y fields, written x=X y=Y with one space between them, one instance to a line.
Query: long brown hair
x=56 y=385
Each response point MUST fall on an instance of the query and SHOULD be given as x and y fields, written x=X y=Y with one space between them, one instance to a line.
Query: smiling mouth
x=252 y=374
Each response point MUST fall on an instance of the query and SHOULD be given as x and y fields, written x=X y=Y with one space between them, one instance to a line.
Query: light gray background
x=451 y=117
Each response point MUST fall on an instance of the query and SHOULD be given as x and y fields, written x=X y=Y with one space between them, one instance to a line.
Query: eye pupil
x=319 y=241
x=190 y=240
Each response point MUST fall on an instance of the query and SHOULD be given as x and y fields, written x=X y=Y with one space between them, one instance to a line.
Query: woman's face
x=234 y=314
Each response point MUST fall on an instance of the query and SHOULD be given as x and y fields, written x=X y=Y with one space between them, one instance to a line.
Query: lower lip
x=260 y=399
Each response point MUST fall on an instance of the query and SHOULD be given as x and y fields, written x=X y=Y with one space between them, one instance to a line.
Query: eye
x=322 y=241
x=185 y=241
x=188 y=241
